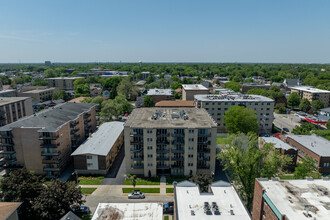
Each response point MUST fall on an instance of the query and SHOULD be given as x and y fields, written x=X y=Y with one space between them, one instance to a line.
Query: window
x=226 y=109
x=268 y=103
x=191 y=139
x=191 y=131
x=149 y=148
x=219 y=113
x=206 y=103
x=256 y=103
x=212 y=109
x=149 y=155
x=149 y=139
x=149 y=164
x=89 y=157
x=206 y=109
x=149 y=131
x=190 y=164
x=190 y=148
x=268 y=108
x=219 y=109
x=190 y=156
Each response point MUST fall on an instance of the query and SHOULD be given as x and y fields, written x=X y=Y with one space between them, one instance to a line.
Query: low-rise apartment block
x=8 y=93
x=43 y=142
x=217 y=105
x=291 y=199
x=62 y=83
x=312 y=146
x=175 y=104
x=247 y=86
x=312 y=94
x=160 y=141
x=97 y=154
x=189 y=90
x=14 y=108
x=220 y=202
x=40 y=95
x=160 y=94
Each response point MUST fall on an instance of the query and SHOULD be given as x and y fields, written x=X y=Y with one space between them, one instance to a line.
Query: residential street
x=286 y=121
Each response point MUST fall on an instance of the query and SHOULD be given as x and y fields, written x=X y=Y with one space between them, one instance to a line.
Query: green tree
x=246 y=162
x=328 y=125
x=176 y=85
x=79 y=81
x=203 y=180
x=281 y=108
x=176 y=95
x=235 y=86
x=303 y=129
x=317 y=104
x=82 y=90
x=134 y=182
x=49 y=73
x=98 y=100
x=128 y=89
x=61 y=95
x=148 y=102
x=307 y=168
x=87 y=100
x=115 y=107
x=305 y=105
x=39 y=82
x=239 y=119
x=293 y=100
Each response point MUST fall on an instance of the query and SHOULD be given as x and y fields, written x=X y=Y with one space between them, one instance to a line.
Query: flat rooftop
x=317 y=144
x=190 y=202
x=256 y=84
x=167 y=92
x=233 y=98
x=277 y=143
x=51 y=119
x=288 y=196
x=8 y=100
x=309 y=89
x=170 y=118
x=194 y=87
x=73 y=77
x=38 y=90
x=7 y=90
x=128 y=211
x=176 y=103
x=102 y=140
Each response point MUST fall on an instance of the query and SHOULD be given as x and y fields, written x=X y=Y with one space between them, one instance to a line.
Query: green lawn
x=169 y=190
x=87 y=191
x=171 y=179
x=141 y=181
x=166 y=217
x=223 y=140
x=86 y=217
x=144 y=190
x=90 y=180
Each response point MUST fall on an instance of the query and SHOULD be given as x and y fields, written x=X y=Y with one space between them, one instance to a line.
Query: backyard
x=90 y=180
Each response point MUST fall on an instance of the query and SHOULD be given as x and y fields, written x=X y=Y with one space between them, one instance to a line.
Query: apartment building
x=291 y=199
x=189 y=90
x=312 y=94
x=9 y=210
x=160 y=94
x=175 y=104
x=14 y=108
x=40 y=95
x=43 y=142
x=8 y=93
x=217 y=105
x=247 y=86
x=97 y=154
x=312 y=146
x=220 y=202
x=170 y=141
x=62 y=83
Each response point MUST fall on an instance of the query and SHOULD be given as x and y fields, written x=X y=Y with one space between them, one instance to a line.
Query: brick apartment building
x=43 y=142
x=312 y=94
x=62 y=83
x=160 y=94
x=189 y=90
x=14 y=108
x=40 y=95
x=291 y=199
x=312 y=146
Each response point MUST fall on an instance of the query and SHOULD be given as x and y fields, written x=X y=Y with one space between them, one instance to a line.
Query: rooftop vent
x=232 y=212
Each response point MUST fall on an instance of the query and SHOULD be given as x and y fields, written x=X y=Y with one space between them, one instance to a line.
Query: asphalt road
x=286 y=121
x=117 y=173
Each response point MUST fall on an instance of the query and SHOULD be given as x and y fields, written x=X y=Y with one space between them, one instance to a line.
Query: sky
x=266 y=31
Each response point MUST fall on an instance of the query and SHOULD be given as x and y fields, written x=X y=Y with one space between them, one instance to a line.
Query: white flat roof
x=233 y=98
x=129 y=211
x=189 y=198
x=277 y=143
x=167 y=92
x=309 y=89
x=194 y=87
x=317 y=144
x=288 y=197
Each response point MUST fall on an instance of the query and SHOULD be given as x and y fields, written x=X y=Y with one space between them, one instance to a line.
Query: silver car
x=136 y=195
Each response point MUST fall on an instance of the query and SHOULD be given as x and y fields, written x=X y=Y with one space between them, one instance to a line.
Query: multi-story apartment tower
x=14 y=108
x=62 y=83
x=217 y=105
x=311 y=94
x=173 y=141
x=40 y=95
x=43 y=142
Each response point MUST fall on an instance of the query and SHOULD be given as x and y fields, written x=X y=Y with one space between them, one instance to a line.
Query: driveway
x=219 y=173
x=117 y=173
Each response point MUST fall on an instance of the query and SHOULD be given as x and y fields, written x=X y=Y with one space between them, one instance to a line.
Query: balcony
x=205 y=158
x=74 y=130
x=54 y=153
x=7 y=151
x=136 y=141
x=87 y=127
x=87 y=115
x=177 y=150
x=162 y=158
x=177 y=166
x=204 y=142
x=7 y=159
x=137 y=158
x=48 y=137
x=135 y=134
x=136 y=149
x=203 y=150
x=204 y=135
x=162 y=166
x=75 y=137
x=176 y=142
x=162 y=135
x=6 y=144
x=12 y=166
x=177 y=135
x=6 y=136
x=160 y=150
x=177 y=158
x=87 y=121
x=74 y=123
x=162 y=142
x=137 y=166
x=52 y=169
x=203 y=166
x=43 y=145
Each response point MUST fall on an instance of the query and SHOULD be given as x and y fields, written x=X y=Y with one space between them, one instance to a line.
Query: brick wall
x=257 y=201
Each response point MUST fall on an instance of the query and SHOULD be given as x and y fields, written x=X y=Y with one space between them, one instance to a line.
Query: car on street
x=136 y=195
x=81 y=210
x=286 y=130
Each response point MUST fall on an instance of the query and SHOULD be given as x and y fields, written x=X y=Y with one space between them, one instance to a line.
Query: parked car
x=81 y=210
x=286 y=130
x=168 y=208
x=136 y=195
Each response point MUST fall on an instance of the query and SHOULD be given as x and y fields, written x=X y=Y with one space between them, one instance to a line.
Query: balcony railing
x=136 y=149
x=87 y=121
x=52 y=168
x=50 y=176
x=137 y=166
x=12 y=166
x=51 y=161
x=136 y=134
x=203 y=166
x=43 y=145
x=203 y=150
x=74 y=123
x=7 y=159
x=177 y=165
x=137 y=158
x=205 y=135
x=162 y=158
x=204 y=142
x=177 y=135
x=87 y=115
x=6 y=136
x=75 y=137
x=159 y=150
x=54 y=153
x=177 y=150
x=163 y=135
x=136 y=141
x=205 y=158
x=6 y=144
x=75 y=130
x=7 y=151
x=162 y=142
x=177 y=158
x=162 y=166
x=176 y=142
x=49 y=137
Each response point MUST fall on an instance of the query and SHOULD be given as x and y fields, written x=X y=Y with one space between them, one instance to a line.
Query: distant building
x=145 y=75
x=8 y=210
x=283 y=148
x=86 y=75
x=175 y=104
x=43 y=142
x=291 y=82
x=70 y=216
x=160 y=94
x=217 y=105
x=141 y=84
x=62 y=83
x=97 y=154
x=30 y=88
x=167 y=76
x=220 y=202
x=247 y=86
x=8 y=93
x=40 y=95
x=48 y=63
x=189 y=90
x=222 y=83
x=14 y=108
x=325 y=111
x=171 y=141
x=311 y=94
x=129 y=211
x=291 y=199
x=312 y=146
